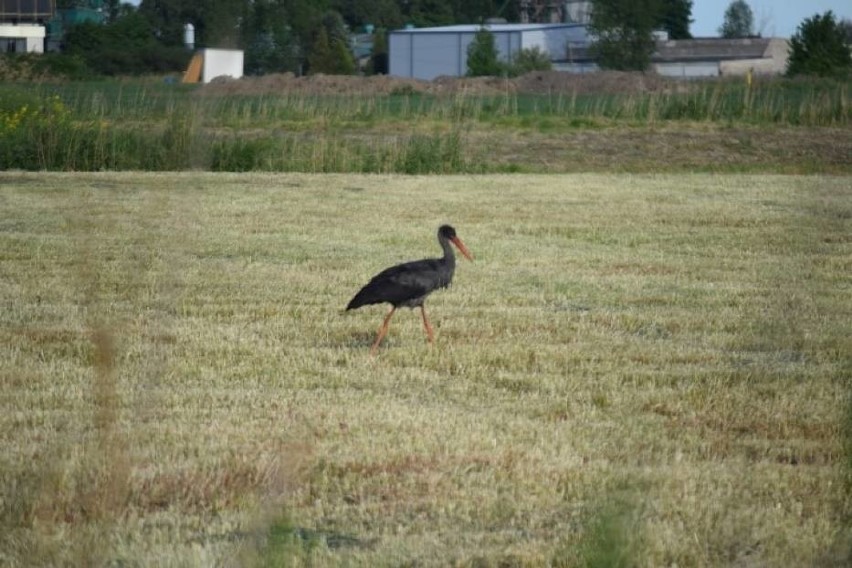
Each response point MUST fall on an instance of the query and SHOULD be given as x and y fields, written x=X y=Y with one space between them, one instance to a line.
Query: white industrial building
x=208 y=64
x=426 y=53
x=22 y=25
x=22 y=38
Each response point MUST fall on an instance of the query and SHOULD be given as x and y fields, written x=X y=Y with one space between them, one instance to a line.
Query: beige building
x=703 y=57
x=721 y=57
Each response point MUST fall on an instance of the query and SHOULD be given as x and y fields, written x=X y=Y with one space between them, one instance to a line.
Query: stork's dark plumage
x=409 y=284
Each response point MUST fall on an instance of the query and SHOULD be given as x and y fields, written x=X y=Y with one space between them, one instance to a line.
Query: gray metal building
x=426 y=53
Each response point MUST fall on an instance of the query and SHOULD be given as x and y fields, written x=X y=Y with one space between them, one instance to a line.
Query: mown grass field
x=645 y=369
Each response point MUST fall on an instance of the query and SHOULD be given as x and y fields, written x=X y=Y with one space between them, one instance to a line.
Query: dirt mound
x=538 y=82
x=604 y=82
x=283 y=83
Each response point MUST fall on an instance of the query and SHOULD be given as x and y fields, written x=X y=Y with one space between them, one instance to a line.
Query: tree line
x=301 y=36
x=315 y=36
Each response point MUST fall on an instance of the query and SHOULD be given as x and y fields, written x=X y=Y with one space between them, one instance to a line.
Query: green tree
x=216 y=21
x=270 y=44
x=530 y=59
x=738 y=20
x=379 y=13
x=220 y=22
x=623 y=33
x=423 y=13
x=330 y=56
x=480 y=10
x=167 y=18
x=320 y=59
x=846 y=25
x=379 y=59
x=482 y=55
x=339 y=43
x=819 y=48
x=344 y=61
x=335 y=27
x=675 y=18
x=112 y=9
x=302 y=19
x=265 y=55
x=126 y=47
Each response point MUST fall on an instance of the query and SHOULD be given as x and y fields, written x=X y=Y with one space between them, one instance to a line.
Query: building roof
x=496 y=28
x=710 y=48
x=701 y=49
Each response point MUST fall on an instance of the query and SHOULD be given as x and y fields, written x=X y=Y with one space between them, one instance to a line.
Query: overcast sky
x=775 y=18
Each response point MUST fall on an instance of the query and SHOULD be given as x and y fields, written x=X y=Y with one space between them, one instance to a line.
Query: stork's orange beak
x=463 y=249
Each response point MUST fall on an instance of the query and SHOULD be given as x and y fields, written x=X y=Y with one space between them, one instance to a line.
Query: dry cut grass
x=637 y=370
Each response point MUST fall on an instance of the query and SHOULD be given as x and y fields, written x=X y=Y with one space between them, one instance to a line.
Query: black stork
x=408 y=284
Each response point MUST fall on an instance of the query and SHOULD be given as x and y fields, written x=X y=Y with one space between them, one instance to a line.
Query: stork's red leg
x=426 y=325
x=382 y=331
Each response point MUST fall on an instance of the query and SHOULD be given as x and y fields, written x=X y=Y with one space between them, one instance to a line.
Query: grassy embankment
x=646 y=367
x=778 y=126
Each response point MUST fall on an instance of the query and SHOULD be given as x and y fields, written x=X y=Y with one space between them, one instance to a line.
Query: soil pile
x=538 y=82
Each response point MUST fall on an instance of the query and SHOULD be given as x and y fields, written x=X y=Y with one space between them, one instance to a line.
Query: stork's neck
x=449 y=255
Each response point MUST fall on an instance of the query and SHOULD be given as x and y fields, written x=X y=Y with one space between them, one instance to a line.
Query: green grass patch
x=150 y=125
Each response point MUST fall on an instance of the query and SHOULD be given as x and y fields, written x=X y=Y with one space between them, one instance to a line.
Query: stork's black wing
x=403 y=283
